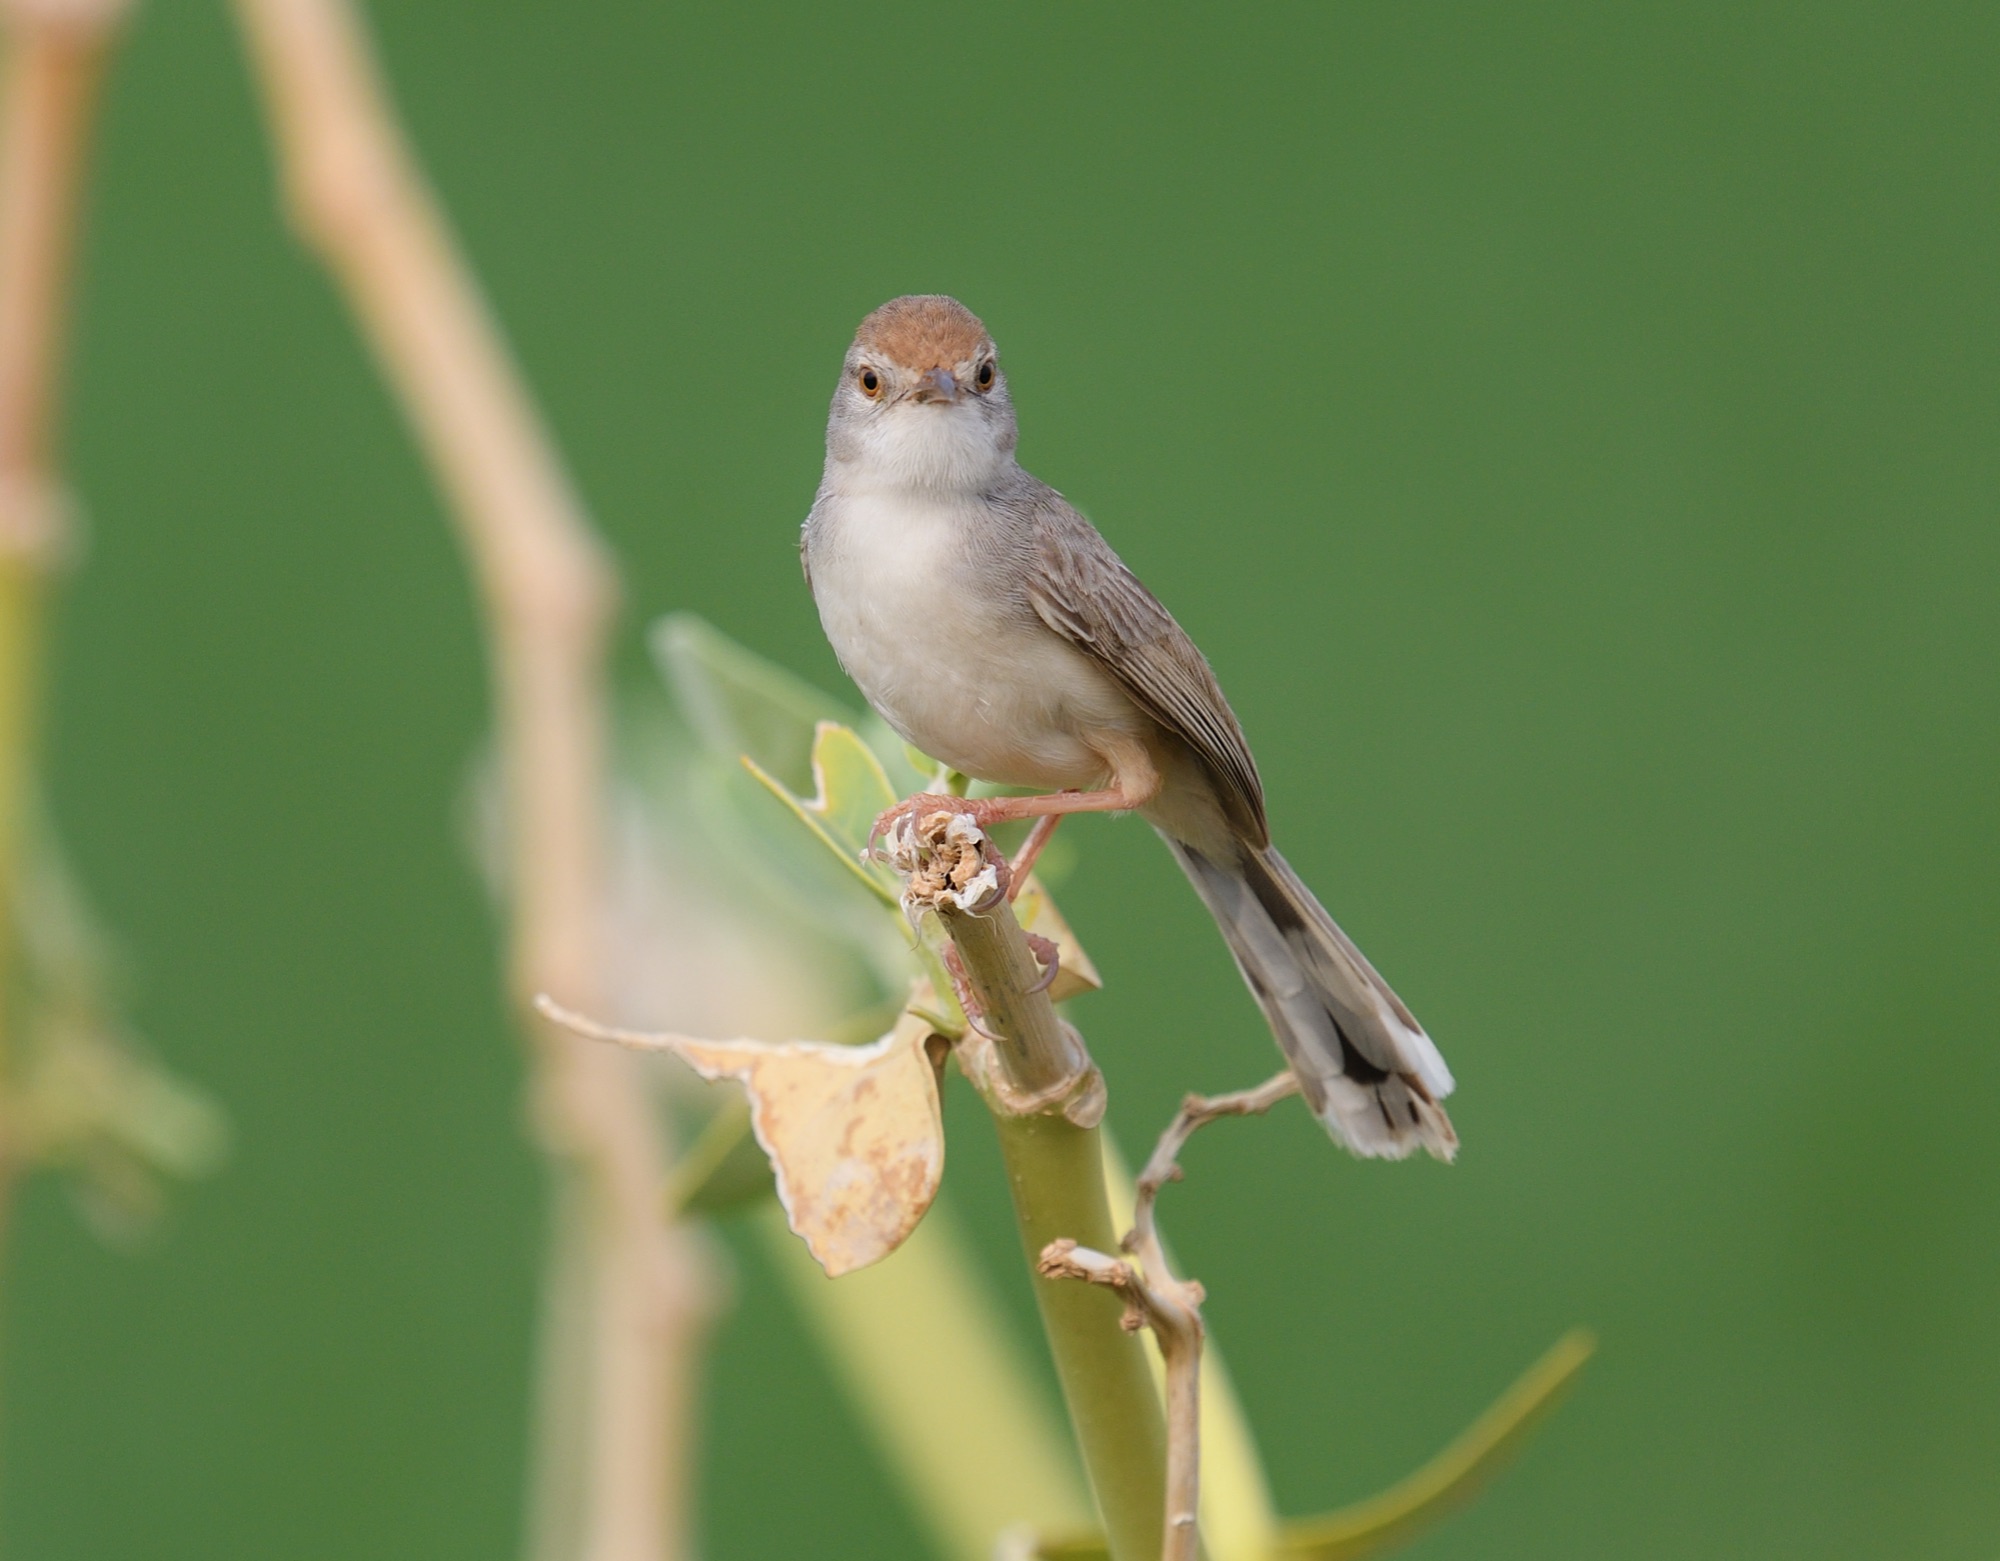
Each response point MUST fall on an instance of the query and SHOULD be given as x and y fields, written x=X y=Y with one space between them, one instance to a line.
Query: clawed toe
x=915 y=807
x=1050 y=956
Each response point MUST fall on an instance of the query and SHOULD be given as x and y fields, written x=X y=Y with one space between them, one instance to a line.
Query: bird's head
x=921 y=401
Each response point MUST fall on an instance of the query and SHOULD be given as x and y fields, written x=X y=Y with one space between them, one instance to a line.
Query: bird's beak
x=937 y=385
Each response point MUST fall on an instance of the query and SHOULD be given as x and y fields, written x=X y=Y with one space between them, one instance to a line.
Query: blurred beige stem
x=55 y=51
x=1171 y=1307
x=550 y=596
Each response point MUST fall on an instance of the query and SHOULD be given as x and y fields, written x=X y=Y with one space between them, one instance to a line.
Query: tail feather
x=1364 y=1063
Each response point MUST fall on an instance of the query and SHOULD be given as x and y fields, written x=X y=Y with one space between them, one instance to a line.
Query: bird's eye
x=984 y=378
x=870 y=382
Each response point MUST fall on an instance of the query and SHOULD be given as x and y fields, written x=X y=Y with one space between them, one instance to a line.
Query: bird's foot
x=1050 y=958
x=961 y=987
x=1046 y=954
x=980 y=810
x=983 y=811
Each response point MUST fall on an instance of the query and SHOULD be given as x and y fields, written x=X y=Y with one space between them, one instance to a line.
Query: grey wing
x=806 y=542
x=1081 y=589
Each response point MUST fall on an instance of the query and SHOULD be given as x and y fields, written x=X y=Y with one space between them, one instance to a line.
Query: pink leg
x=1031 y=852
x=999 y=810
x=1134 y=783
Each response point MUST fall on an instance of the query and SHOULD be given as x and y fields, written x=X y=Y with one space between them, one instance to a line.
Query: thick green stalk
x=1055 y=1171
x=1046 y=1099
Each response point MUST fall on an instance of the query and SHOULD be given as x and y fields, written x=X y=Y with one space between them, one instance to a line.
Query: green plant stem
x=1055 y=1171
x=1043 y=1058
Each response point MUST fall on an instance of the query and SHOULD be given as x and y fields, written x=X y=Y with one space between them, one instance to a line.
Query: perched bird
x=994 y=628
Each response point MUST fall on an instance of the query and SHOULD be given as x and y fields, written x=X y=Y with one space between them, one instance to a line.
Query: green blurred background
x=1570 y=430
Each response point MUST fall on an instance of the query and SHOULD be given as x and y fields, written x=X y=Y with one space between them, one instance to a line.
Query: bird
x=993 y=627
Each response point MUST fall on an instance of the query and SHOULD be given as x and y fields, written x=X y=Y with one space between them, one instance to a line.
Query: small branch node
x=1065 y=1259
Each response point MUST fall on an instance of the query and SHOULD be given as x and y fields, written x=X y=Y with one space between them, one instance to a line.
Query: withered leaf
x=854 y=1133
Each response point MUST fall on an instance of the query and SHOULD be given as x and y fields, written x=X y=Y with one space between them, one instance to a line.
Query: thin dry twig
x=357 y=197
x=1155 y=1298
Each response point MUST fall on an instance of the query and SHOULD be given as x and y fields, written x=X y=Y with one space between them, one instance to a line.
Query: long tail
x=1364 y=1063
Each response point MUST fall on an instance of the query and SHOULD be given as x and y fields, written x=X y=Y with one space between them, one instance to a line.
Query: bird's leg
x=1030 y=852
x=987 y=811
x=1134 y=783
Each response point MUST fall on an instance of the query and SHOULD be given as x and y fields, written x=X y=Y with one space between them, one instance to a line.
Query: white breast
x=949 y=658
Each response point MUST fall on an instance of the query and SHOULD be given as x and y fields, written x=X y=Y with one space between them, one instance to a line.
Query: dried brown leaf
x=854 y=1133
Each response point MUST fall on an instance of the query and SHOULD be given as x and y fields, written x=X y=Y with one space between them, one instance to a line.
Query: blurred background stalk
x=928 y=1359
x=48 y=95
x=628 y=1294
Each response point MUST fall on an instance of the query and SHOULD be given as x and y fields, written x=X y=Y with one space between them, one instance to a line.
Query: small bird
x=993 y=627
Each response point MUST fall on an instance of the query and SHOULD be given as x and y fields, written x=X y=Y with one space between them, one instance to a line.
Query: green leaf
x=850 y=791
x=737 y=702
x=1450 y=1480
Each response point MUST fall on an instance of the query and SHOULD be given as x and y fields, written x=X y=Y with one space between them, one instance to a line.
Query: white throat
x=940 y=451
